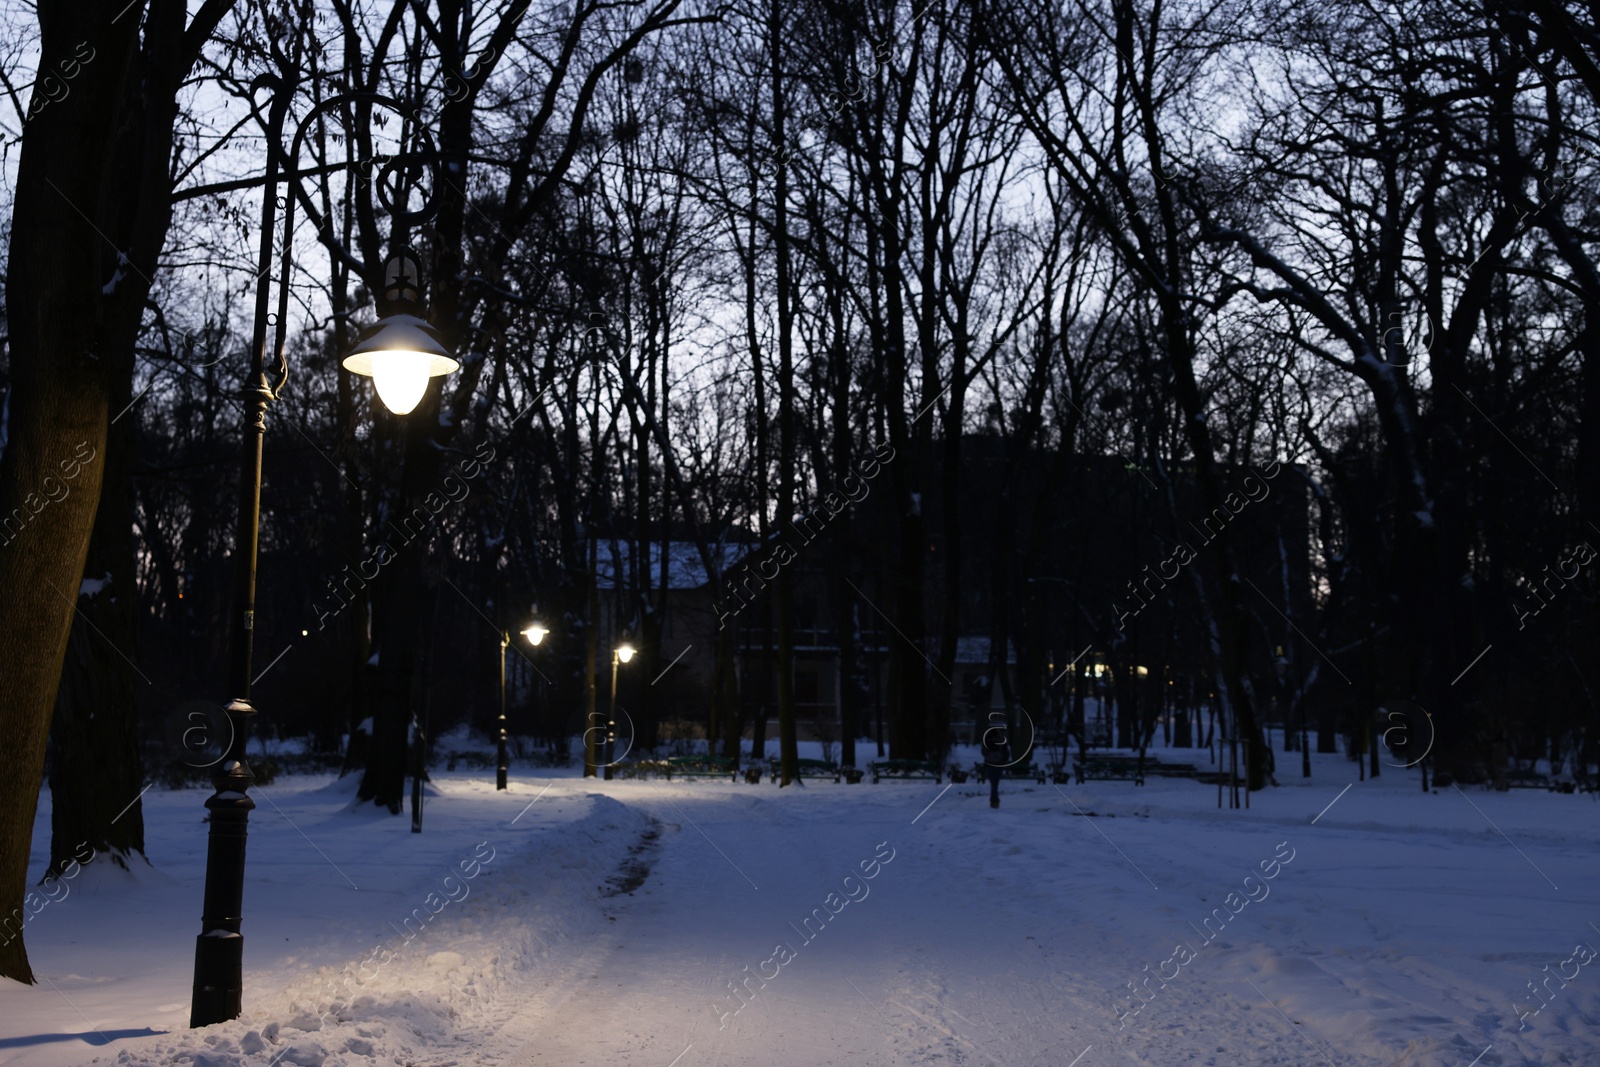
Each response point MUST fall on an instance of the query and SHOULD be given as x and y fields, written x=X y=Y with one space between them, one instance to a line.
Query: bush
x=176 y=774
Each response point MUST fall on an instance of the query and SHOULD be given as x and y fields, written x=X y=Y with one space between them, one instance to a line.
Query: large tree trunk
x=399 y=624
x=96 y=770
x=90 y=215
x=728 y=693
x=592 y=735
x=407 y=643
x=941 y=695
x=58 y=415
x=906 y=574
x=783 y=599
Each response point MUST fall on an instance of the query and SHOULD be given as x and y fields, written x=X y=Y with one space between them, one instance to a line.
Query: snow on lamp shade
x=400 y=353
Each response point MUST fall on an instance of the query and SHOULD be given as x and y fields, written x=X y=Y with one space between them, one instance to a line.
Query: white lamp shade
x=624 y=653
x=535 y=634
x=400 y=353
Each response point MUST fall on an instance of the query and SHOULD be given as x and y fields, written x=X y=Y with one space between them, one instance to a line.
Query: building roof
x=685 y=570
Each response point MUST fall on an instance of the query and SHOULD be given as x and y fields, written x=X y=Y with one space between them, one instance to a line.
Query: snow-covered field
x=637 y=922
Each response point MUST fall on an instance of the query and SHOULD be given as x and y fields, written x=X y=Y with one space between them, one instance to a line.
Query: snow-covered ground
x=661 y=924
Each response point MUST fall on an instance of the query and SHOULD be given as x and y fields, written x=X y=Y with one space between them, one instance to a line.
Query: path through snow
x=615 y=920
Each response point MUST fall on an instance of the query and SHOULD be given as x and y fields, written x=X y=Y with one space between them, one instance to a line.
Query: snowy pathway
x=1011 y=937
x=654 y=924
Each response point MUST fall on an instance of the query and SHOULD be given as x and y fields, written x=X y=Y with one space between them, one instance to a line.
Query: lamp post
x=1305 y=749
x=1280 y=664
x=217 y=991
x=418 y=755
x=534 y=633
x=620 y=654
x=1280 y=668
x=1305 y=741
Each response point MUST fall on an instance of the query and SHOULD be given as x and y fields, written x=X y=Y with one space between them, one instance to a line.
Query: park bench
x=1109 y=769
x=640 y=768
x=1575 y=783
x=702 y=767
x=1014 y=772
x=1218 y=777
x=904 y=768
x=806 y=768
x=1527 y=779
x=1028 y=770
x=1157 y=769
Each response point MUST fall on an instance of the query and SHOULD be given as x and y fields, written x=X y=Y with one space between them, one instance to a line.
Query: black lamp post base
x=218 y=979
x=219 y=950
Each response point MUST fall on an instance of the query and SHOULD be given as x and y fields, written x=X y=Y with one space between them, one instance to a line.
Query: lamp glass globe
x=401 y=377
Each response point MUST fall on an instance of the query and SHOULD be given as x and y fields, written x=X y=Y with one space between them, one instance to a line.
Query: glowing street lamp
x=621 y=654
x=534 y=633
x=401 y=352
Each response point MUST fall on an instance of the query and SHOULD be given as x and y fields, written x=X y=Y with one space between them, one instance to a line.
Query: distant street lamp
x=398 y=348
x=621 y=654
x=534 y=633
